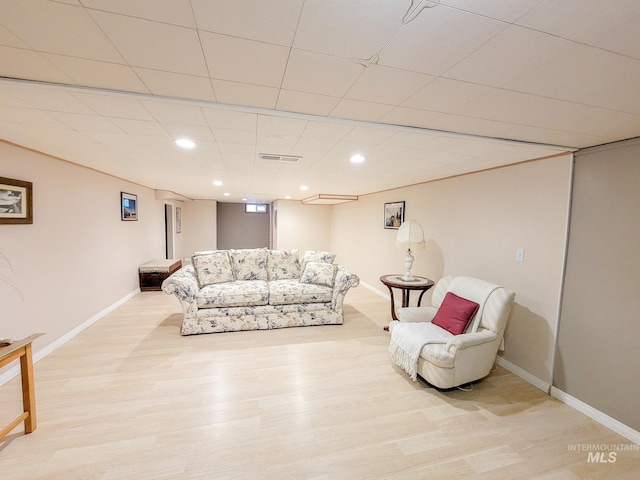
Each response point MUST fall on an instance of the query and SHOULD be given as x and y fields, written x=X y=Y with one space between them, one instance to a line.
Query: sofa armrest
x=466 y=340
x=184 y=285
x=344 y=280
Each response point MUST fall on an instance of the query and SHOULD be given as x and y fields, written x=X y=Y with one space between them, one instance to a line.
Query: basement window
x=255 y=208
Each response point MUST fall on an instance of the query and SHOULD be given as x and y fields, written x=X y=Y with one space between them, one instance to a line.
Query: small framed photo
x=129 y=206
x=178 y=220
x=16 y=201
x=393 y=215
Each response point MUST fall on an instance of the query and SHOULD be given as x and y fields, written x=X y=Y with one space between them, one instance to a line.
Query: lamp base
x=408 y=263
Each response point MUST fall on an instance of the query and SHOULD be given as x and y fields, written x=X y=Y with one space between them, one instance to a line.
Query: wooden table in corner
x=421 y=284
x=22 y=350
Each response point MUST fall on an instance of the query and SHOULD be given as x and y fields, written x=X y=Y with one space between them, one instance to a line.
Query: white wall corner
x=602 y=418
x=523 y=374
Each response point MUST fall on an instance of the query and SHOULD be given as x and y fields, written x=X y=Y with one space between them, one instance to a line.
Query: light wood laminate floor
x=129 y=398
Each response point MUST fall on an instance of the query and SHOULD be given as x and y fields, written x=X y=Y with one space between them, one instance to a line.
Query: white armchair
x=443 y=359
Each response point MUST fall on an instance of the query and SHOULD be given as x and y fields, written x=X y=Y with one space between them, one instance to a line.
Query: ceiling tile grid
x=307 y=78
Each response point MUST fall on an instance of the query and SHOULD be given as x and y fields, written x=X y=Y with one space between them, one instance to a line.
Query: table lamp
x=410 y=237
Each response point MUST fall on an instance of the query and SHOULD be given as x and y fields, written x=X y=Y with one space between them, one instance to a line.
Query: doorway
x=169 y=249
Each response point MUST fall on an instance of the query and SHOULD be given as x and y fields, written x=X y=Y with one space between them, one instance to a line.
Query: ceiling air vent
x=279 y=158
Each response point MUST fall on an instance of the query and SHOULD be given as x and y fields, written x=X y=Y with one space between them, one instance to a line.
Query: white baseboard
x=523 y=374
x=376 y=291
x=43 y=352
x=611 y=423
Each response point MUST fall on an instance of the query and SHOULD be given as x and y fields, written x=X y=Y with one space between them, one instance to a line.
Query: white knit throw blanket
x=407 y=340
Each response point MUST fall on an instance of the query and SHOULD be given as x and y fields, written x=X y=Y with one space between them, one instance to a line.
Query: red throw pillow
x=455 y=313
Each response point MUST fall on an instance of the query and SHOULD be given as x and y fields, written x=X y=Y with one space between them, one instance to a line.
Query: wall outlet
x=519 y=254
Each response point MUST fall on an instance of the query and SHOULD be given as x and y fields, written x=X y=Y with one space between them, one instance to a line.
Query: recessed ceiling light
x=244 y=199
x=226 y=194
x=287 y=197
x=304 y=187
x=217 y=183
x=185 y=143
x=357 y=158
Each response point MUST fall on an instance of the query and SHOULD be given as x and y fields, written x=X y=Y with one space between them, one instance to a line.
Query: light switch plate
x=519 y=254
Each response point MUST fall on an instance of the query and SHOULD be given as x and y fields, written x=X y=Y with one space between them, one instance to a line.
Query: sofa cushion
x=317 y=256
x=319 y=273
x=234 y=294
x=283 y=264
x=289 y=292
x=455 y=313
x=249 y=263
x=212 y=267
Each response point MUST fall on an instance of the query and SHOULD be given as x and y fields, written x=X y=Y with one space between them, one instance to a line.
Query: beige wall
x=305 y=227
x=598 y=358
x=199 y=228
x=473 y=225
x=78 y=258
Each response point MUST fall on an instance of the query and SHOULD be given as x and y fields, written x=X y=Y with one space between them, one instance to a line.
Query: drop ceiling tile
x=51 y=99
x=525 y=133
x=245 y=151
x=111 y=105
x=195 y=132
x=174 y=12
x=176 y=85
x=437 y=39
x=413 y=117
x=12 y=99
x=139 y=127
x=329 y=130
x=387 y=85
x=167 y=111
x=357 y=110
x=235 y=93
x=272 y=22
x=586 y=75
x=8 y=39
x=30 y=117
x=407 y=139
x=154 y=45
x=444 y=94
x=369 y=135
x=328 y=26
x=516 y=50
x=310 y=103
x=225 y=135
x=261 y=63
x=33 y=19
x=322 y=74
x=498 y=9
x=280 y=125
x=221 y=118
x=98 y=74
x=580 y=20
x=26 y=64
x=85 y=123
x=624 y=39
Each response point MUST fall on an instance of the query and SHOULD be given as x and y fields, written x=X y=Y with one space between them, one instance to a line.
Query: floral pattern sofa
x=259 y=289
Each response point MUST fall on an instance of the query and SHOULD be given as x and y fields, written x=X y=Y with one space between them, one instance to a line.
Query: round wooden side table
x=421 y=284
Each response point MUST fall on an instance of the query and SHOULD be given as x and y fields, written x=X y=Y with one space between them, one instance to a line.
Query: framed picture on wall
x=129 y=206
x=16 y=201
x=178 y=220
x=393 y=215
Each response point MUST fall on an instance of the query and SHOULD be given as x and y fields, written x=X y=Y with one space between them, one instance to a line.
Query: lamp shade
x=410 y=236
